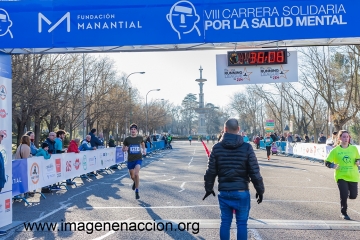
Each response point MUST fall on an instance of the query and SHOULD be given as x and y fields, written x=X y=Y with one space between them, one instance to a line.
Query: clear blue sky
x=175 y=74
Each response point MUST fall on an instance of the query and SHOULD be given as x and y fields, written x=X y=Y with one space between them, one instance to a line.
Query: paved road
x=301 y=202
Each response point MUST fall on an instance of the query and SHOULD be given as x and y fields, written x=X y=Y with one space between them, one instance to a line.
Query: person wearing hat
x=43 y=151
x=135 y=147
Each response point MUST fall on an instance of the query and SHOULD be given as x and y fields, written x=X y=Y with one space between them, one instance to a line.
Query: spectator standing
x=233 y=177
x=245 y=137
x=23 y=150
x=51 y=142
x=282 y=138
x=102 y=140
x=60 y=135
x=112 y=142
x=86 y=144
x=33 y=148
x=333 y=140
x=307 y=139
x=43 y=151
x=74 y=146
x=322 y=139
x=290 y=138
x=169 y=139
x=257 y=141
x=94 y=141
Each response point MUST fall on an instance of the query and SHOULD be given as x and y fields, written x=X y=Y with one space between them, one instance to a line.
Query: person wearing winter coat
x=86 y=144
x=94 y=140
x=43 y=151
x=23 y=151
x=33 y=148
x=234 y=164
x=74 y=146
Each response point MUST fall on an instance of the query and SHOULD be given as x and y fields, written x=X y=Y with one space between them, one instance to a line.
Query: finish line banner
x=90 y=23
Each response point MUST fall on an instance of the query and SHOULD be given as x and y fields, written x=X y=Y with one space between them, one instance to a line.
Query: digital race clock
x=257 y=57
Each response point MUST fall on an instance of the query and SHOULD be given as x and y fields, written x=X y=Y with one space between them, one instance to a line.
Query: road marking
x=160 y=207
x=51 y=213
x=120 y=177
x=182 y=187
x=190 y=161
x=104 y=236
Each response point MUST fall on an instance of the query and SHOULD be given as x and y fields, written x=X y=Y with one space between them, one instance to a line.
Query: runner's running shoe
x=137 y=195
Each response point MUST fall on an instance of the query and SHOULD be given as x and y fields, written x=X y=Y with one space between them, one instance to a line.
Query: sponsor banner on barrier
x=19 y=177
x=6 y=130
x=119 y=155
x=5 y=208
x=35 y=173
x=49 y=170
x=71 y=163
x=107 y=157
x=90 y=160
x=312 y=150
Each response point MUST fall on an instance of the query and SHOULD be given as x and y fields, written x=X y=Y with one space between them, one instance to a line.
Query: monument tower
x=201 y=110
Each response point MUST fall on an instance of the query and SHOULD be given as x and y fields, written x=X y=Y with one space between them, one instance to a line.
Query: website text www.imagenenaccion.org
x=90 y=227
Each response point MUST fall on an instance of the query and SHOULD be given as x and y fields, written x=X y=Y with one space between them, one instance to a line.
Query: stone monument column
x=201 y=110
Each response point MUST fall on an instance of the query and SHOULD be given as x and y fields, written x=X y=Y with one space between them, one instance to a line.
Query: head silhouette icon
x=5 y=23
x=183 y=18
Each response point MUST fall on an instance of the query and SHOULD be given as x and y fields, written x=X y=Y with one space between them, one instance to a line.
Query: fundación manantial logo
x=5 y=23
x=183 y=18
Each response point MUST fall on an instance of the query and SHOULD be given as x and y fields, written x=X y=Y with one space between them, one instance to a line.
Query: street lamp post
x=147 y=109
x=125 y=82
x=130 y=75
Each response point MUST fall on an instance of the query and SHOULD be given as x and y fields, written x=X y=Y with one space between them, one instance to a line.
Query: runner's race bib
x=134 y=149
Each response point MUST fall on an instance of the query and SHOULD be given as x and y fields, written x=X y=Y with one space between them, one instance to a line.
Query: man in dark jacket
x=235 y=164
x=51 y=142
x=95 y=141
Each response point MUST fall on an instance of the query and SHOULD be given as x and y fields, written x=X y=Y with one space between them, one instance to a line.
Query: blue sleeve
x=33 y=150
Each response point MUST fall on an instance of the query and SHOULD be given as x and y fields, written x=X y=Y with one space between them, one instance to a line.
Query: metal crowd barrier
x=155 y=146
x=305 y=151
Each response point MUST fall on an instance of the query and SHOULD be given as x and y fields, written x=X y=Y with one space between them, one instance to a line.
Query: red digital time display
x=257 y=57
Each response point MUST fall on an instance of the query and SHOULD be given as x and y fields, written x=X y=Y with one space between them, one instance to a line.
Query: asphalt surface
x=301 y=201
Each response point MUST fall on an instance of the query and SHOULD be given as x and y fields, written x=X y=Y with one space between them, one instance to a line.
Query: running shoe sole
x=133 y=186
x=137 y=195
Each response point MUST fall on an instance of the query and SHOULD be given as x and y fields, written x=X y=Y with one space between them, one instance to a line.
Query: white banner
x=312 y=150
x=64 y=166
x=259 y=74
x=6 y=130
x=35 y=173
